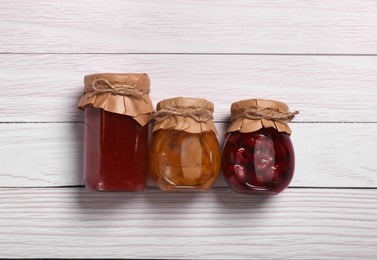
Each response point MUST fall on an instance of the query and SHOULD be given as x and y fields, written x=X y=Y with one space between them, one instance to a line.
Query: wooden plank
x=293 y=26
x=327 y=155
x=298 y=224
x=46 y=88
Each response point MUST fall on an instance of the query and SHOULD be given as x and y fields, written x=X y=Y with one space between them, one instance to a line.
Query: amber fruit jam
x=116 y=152
x=184 y=161
x=260 y=162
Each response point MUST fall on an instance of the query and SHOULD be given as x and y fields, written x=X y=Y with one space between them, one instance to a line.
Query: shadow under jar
x=185 y=153
x=117 y=111
x=258 y=156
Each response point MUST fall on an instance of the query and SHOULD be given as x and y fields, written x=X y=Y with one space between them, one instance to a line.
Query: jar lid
x=253 y=114
x=193 y=115
x=121 y=93
x=186 y=103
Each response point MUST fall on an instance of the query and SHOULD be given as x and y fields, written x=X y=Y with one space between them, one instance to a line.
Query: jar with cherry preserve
x=258 y=156
x=117 y=110
x=185 y=153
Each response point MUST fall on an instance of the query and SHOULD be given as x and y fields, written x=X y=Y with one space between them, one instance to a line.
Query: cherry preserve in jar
x=185 y=153
x=258 y=156
x=117 y=110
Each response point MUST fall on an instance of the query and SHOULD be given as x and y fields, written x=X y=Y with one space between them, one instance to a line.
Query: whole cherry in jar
x=258 y=155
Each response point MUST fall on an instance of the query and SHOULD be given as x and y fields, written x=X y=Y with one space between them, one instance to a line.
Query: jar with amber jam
x=258 y=156
x=185 y=153
x=117 y=110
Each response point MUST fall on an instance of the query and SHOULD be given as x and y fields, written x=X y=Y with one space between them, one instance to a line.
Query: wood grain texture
x=327 y=155
x=298 y=224
x=293 y=26
x=46 y=88
x=320 y=57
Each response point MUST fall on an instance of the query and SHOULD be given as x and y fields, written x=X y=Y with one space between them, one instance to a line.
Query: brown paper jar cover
x=245 y=125
x=258 y=155
x=192 y=115
x=184 y=153
x=121 y=93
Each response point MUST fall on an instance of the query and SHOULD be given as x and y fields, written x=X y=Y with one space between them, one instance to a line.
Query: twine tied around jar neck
x=102 y=86
x=199 y=115
x=268 y=114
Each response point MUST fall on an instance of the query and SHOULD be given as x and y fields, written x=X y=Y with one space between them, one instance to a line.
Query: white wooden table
x=320 y=57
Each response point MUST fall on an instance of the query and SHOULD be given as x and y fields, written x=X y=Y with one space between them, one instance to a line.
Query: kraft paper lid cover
x=192 y=115
x=253 y=114
x=121 y=93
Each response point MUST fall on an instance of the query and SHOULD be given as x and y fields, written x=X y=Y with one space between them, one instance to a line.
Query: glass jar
x=185 y=153
x=258 y=156
x=117 y=110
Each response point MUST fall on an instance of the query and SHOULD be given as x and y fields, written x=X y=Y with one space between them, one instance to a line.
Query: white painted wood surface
x=323 y=88
x=317 y=56
x=245 y=26
x=298 y=224
x=327 y=155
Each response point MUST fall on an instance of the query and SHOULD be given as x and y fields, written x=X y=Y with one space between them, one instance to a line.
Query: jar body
x=184 y=161
x=115 y=152
x=260 y=162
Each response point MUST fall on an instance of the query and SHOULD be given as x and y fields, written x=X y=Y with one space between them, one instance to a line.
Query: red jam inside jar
x=116 y=152
x=117 y=111
x=260 y=162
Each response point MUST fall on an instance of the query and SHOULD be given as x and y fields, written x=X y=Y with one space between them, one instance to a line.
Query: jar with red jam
x=185 y=153
x=258 y=156
x=117 y=110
